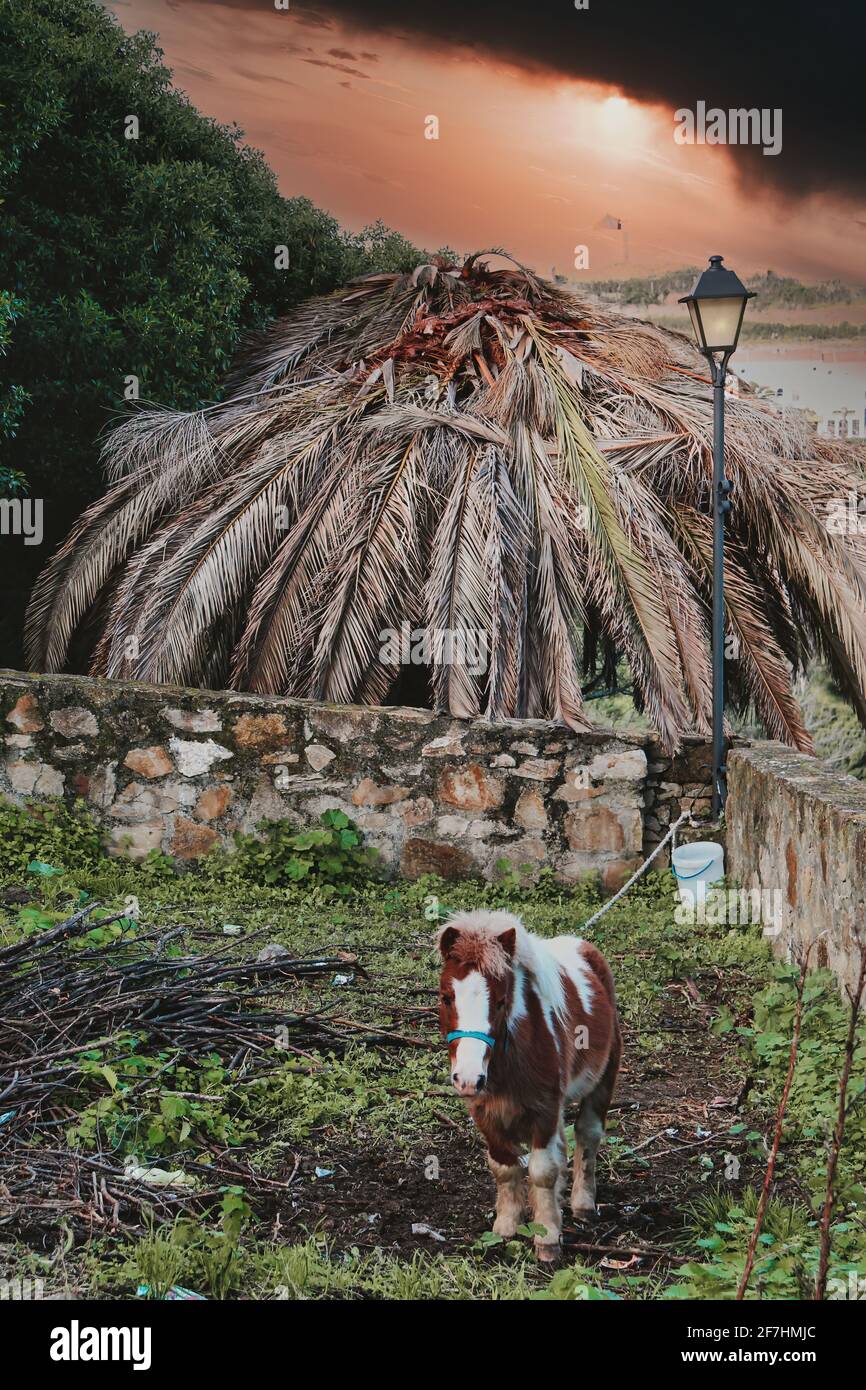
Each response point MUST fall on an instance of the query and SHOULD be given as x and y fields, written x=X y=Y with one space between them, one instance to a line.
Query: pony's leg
x=588 y=1134
x=510 y=1199
x=588 y=1131
x=546 y=1177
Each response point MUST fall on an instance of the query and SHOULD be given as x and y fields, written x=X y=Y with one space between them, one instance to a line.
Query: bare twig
x=73 y=925
x=780 y=1120
x=855 y=998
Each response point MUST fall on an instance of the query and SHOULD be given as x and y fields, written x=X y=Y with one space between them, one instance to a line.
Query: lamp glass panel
x=696 y=324
x=720 y=320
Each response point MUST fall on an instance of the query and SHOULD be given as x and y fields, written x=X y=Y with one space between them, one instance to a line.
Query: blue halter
x=482 y=1037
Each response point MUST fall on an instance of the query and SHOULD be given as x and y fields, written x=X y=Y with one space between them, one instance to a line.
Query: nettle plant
x=55 y=835
x=331 y=855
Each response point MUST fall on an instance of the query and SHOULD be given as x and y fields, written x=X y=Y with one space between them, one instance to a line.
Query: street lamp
x=717 y=305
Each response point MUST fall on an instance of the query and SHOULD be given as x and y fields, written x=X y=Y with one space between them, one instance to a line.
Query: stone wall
x=797 y=830
x=181 y=770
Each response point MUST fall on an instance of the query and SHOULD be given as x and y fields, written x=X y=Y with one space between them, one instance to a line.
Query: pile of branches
x=60 y=1001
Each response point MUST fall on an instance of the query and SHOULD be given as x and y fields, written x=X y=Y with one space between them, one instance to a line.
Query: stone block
x=260 y=731
x=538 y=769
x=470 y=788
x=194 y=721
x=136 y=841
x=191 y=840
x=374 y=794
x=25 y=715
x=431 y=857
x=35 y=779
x=74 y=722
x=594 y=829
x=318 y=756
x=213 y=803
x=149 y=762
x=629 y=765
x=195 y=758
x=529 y=811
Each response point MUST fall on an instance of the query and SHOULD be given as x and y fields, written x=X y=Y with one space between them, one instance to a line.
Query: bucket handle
x=685 y=877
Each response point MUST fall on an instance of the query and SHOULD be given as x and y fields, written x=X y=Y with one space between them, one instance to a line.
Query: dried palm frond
x=471 y=451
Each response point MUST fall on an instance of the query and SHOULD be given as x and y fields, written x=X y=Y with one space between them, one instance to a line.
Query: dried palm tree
x=466 y=449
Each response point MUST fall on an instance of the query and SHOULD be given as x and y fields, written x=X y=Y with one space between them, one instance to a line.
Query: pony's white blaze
x=472 y=1006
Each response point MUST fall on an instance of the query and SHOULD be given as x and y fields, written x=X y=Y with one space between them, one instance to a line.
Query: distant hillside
x=774 y=291
x=833 y=724
x=760 y=329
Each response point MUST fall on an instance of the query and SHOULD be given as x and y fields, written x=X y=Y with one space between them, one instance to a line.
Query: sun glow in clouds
x=535 y=163
x=622 y=120
x=597 y=120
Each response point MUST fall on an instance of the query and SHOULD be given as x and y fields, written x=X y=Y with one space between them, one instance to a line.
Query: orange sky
x=531 y=164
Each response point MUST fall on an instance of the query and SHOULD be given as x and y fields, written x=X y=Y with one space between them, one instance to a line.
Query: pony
x=531 y=1026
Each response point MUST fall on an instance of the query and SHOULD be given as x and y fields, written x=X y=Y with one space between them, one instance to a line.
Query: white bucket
x=695 y=867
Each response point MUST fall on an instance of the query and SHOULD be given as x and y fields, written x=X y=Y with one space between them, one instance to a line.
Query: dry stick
x=855 y=998
x=656 y=1253
x=777 y=1137
x=72 y=925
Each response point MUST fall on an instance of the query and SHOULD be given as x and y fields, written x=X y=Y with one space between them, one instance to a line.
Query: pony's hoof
x=587 y=1214
x=506 y=1229
x=548 y=1253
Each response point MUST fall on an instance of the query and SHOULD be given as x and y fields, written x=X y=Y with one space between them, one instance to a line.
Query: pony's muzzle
x=468 y=1086
x=471 y=1056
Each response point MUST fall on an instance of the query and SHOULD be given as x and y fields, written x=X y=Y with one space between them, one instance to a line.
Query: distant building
x=844 y=423
x=827 y=385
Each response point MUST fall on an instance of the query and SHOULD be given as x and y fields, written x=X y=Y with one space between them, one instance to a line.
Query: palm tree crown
x=466 y=449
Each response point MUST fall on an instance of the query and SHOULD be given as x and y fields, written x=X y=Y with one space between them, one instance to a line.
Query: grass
x=358 y=1148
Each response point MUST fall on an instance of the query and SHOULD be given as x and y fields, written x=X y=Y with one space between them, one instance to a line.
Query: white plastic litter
x=158 y=1177
x=273 y=952
x=420 y=1228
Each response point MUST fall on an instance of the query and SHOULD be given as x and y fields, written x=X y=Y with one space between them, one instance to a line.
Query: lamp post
x=717 y=304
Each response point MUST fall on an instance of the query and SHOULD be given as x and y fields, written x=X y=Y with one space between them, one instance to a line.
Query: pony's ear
x=508 y=941
x=447 y=937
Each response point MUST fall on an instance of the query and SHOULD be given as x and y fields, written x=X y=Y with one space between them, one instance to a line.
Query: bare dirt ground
x=671 y=1114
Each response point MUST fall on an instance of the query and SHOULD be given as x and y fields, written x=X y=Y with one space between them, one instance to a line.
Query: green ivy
x=332 y=855
x=55 y=836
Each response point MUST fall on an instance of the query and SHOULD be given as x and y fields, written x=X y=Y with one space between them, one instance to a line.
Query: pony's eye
x=448 y=999
x=500 y=1005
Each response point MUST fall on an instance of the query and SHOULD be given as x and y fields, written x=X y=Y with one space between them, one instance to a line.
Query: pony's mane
x=478 y=946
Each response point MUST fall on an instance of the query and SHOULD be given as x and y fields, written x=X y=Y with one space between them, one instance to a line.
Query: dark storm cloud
x=803 y=56
x=337 y=67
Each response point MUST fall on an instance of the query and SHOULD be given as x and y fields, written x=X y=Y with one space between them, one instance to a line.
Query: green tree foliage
x=13 y=398
x=145 y=257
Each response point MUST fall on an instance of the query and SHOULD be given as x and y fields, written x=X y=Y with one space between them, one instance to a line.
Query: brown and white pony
x=531 y=1026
